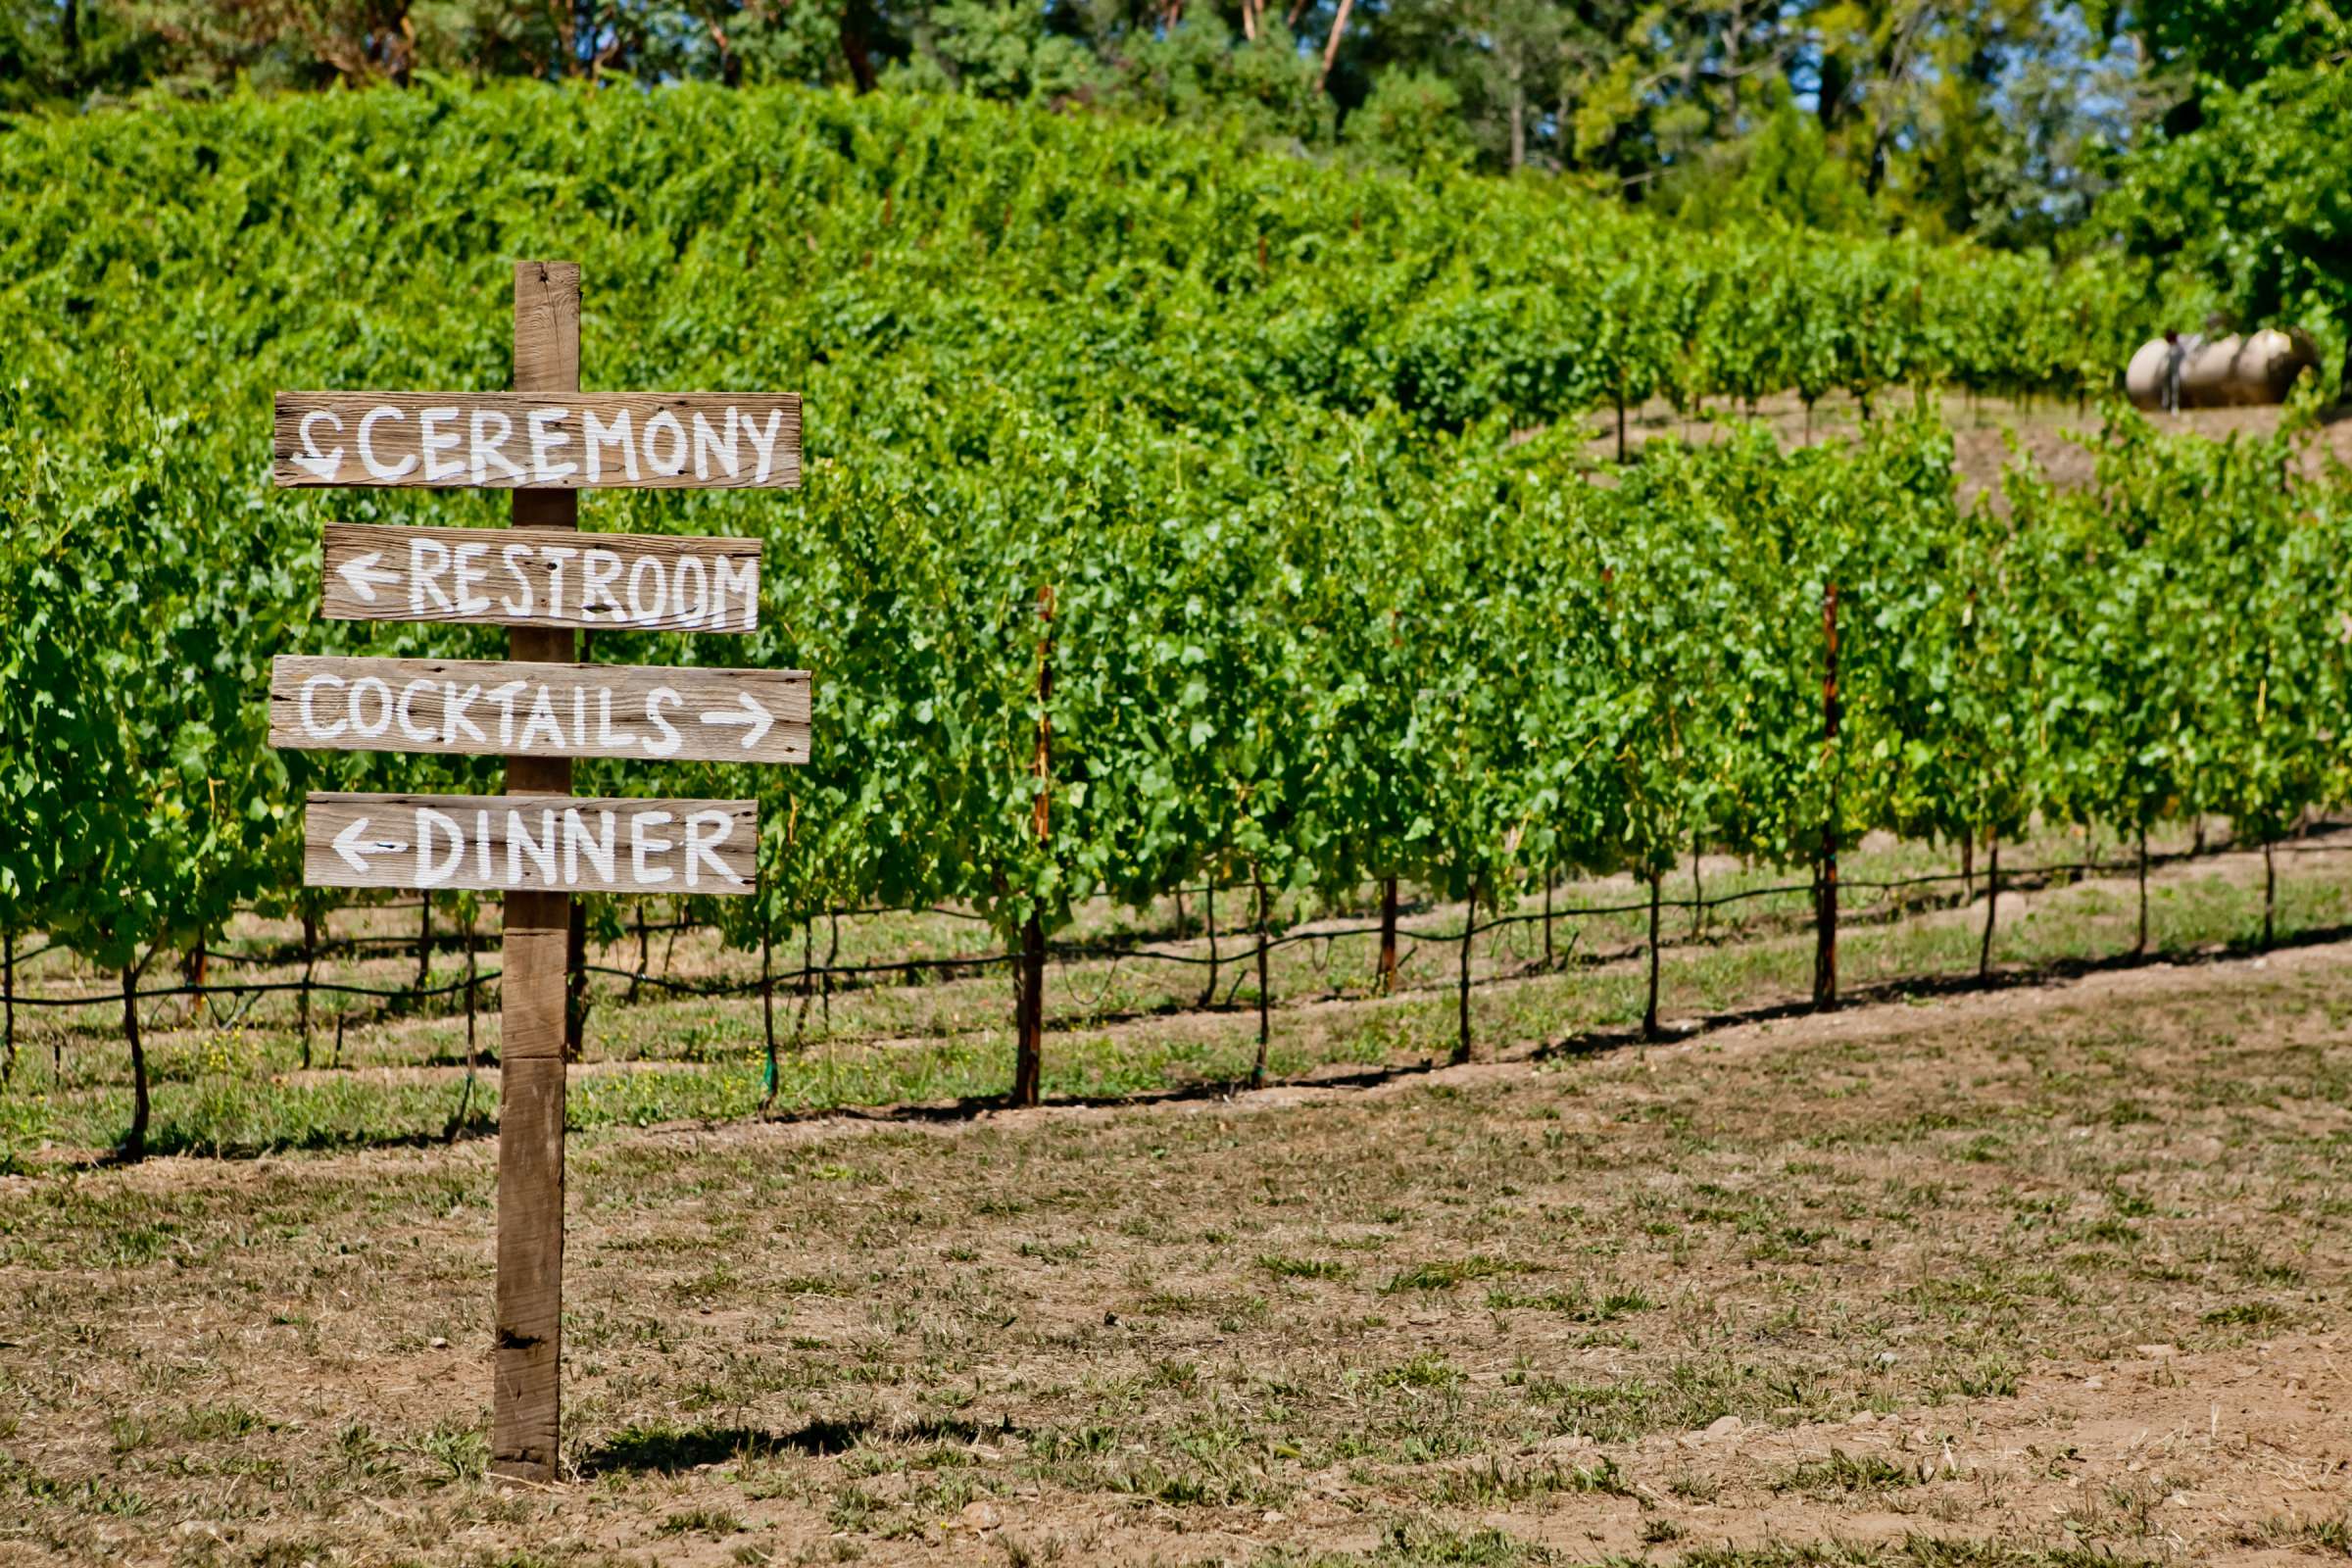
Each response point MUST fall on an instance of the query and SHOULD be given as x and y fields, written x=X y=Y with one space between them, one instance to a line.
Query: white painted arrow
x=752 y=712
x=322 y=464
x=349 y=844
x=363 y=574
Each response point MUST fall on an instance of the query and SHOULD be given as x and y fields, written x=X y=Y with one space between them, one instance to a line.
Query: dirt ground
x=2050 y=1274
x=2052 y=433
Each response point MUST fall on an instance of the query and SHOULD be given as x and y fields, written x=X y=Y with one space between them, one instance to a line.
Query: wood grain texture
x=479 y=708
x=555 y=577
x=532 y=843
x=528 y=1393
x=541 y=439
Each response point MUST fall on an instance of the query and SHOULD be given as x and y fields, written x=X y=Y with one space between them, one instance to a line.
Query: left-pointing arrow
x=350 y=842
x=364 y=575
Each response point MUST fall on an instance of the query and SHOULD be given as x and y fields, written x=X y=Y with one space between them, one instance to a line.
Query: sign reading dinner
x=509 y=440
x=516 y=708
x=529 y=844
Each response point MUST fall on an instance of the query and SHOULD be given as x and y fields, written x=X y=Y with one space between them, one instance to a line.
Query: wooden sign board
x=530 y=843
x=540 y=577
x=526 y=709
x=554 y=441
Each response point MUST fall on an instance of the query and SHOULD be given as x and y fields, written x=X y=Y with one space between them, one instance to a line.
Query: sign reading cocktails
x=537 y=844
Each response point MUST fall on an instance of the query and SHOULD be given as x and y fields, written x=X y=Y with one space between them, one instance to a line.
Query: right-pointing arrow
x=751 y=712
x=350 y=843
x=363 y=574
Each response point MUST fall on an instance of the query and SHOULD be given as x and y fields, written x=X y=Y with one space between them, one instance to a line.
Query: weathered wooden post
x=537 y=844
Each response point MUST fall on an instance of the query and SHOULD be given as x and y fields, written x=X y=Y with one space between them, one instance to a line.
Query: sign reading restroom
x=540 y=577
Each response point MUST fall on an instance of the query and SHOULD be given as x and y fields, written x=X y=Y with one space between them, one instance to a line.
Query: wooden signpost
x=541 y=577
x=537 y=844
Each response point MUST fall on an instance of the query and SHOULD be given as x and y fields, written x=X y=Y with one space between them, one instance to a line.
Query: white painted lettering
x=488 y=445
x=400 y=710
x=668 y=741
x=605 y=734
x=428 y=823
x=764 y=442
x=706 y=445
x=705 y=832
x=543 y=441
x=596 y=435
x=644 y=609
x=543 y=716
x=744 y=579
x=577 y=841
x=556 y=555
x=504 y=696
x=642 y=844
x=384 y=718
x=435 y=440
x=513 y=555
x=368 y=461
x=323 y=464
x=701 y=591
x=600 y=570
x=428 y=559
x=310 y=720
x=467 y=575
x=542 y=851
x=453 y=713
x=676 y=463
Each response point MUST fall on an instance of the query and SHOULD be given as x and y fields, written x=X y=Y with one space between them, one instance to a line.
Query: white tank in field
x=2223 y=372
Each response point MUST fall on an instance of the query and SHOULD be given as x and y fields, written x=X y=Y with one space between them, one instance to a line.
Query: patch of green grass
x=1579 y=1305
x=1840 y=1471
x=716 y=1523
x=1448 y=1274
x=2246 y=1314
x=1304 y=1268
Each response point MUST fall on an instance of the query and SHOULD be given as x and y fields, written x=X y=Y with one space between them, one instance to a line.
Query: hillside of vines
x=1257 y=488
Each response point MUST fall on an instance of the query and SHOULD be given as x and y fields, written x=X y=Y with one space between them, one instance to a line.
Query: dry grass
x=2048 y=1274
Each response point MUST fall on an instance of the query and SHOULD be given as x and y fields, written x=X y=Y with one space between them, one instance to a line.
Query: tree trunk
x=424 y=945
x=767 y=1008
x=1992 y=898
x=1258 y=1068
x=1462 y=1044
x=1698 y=891
x=832 y=955
x=1331 y=46
x=1621 y=425
x=199 y=969
x=8 y=991
x=1968 y=867
x=2270 y=894
x=1548 y=957
x=1825 y=945
x=1388 y=935
x=309 y=968
x=1650 y=1010
x=857 y=47
x=134 y=1141
x=643 y=956
x=575 y=963
x=1208 y=909
x=2142 y=949
x=1029 y=1008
